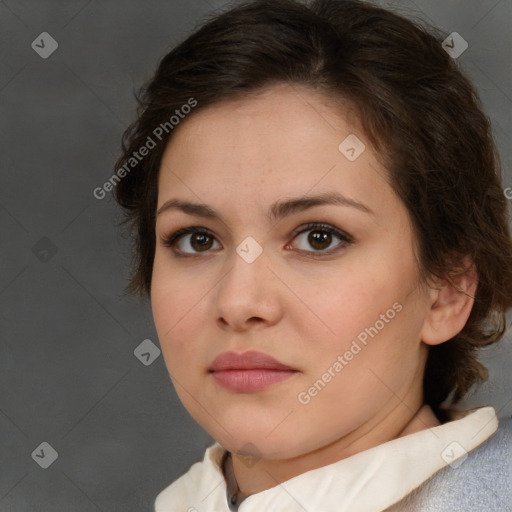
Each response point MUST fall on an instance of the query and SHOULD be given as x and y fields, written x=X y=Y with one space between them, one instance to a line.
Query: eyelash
x=345 y=239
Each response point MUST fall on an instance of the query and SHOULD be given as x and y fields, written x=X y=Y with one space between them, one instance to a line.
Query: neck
x=267 y=473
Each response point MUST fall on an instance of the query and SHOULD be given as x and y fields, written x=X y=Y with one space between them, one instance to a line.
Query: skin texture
x=296 y=304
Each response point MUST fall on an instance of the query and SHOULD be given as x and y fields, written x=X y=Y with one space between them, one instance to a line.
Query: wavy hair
x=415 y=106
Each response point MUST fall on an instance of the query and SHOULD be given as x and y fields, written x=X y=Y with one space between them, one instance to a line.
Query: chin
x=257 y=443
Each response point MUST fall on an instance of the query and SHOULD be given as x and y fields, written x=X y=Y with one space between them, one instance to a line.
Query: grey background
x=68 y=373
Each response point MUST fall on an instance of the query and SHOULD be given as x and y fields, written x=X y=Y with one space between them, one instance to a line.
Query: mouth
x=248 y=371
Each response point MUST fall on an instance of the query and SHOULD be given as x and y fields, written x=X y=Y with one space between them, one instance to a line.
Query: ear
x=452 y=299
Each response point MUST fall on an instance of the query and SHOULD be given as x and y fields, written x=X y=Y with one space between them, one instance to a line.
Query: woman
x=320 y=224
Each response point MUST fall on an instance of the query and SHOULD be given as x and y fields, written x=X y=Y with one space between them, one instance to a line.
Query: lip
x=250 y=360
x=249 y=371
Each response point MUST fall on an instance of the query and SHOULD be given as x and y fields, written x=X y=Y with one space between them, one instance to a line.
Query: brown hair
x=415 y=107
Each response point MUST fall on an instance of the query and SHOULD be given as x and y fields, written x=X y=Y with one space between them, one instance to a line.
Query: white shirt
x=371 y=480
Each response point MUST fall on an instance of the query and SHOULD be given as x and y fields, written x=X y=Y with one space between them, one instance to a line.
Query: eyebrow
x=277 y=211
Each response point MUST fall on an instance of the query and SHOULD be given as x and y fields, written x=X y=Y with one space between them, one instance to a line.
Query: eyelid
x=168 y=240
x=345 y=240
x=323 y=226
x=171 y=240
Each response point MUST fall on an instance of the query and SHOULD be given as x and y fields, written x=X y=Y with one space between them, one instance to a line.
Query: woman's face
x=298 y=249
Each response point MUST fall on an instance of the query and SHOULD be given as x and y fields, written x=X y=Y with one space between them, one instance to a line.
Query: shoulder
x=184 y=492
x=489 y=466
x=177 y=493
x=480 y=480
x=498 y=445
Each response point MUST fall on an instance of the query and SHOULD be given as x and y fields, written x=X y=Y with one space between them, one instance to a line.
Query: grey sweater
x=482 y=483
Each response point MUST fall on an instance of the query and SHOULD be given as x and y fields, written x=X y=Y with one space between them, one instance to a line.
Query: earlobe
x=452 y=302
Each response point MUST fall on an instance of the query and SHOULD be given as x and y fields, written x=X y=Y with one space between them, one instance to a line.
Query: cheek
x=346 y=304
x=178 y=331
x=176 y=304
x=350 y=306
x=173 y=293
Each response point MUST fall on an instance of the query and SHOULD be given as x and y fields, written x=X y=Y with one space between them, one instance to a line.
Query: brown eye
x=190 y=241
x=319 y=240
x=201 y=241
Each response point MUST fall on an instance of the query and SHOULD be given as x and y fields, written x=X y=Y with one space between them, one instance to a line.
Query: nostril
x=249 y=322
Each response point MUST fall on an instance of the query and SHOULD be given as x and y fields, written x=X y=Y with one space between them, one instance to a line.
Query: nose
x=248 y=297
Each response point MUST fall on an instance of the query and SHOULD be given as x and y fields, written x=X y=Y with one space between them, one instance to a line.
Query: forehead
x=279 y=118
x=283 y=141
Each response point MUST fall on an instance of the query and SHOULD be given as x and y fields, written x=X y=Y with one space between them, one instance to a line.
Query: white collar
x=373 y=479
